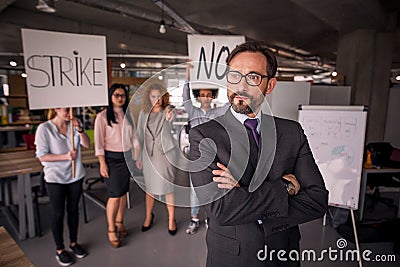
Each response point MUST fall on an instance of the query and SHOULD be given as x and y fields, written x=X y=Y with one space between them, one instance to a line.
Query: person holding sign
x=254 y=173
x=114 y=140
x=159 y=152
x=53 y=148
x=198 y=116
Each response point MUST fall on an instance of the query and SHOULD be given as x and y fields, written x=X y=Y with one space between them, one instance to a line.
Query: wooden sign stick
x=71 y=115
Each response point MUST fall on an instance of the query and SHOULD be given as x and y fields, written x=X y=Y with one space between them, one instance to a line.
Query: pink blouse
x=119 y=138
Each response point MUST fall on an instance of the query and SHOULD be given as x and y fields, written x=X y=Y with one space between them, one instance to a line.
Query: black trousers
x=62 y=195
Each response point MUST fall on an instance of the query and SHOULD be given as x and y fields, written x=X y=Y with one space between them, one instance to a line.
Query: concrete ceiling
x=304 y=32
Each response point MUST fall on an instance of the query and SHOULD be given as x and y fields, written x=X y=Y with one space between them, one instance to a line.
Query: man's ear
x=271 y=85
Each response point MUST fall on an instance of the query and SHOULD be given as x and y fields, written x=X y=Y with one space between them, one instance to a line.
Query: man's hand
x=291 y=178
x=224 y=177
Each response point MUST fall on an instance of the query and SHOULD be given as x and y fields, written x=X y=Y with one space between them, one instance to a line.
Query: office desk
x=10 y=253
x=23 y=164
x=10 y=130
x=363 y=188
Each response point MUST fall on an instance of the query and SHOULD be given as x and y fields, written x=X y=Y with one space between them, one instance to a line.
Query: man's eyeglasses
x=119 y=95
x=252 y=78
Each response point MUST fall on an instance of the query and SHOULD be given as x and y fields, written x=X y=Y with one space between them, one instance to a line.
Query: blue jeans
x=194 y=201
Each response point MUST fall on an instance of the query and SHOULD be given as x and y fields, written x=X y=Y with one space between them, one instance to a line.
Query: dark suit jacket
x=235 y=234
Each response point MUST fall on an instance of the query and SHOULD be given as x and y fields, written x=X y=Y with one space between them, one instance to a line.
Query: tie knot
x=251 y=124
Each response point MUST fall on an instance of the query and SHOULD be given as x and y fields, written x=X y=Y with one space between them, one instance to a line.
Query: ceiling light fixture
x=46 y=6
x=122 y=65
x=13 y=63
x=334 y=74
x=24 y=75
x=398 y=78
x=162 y=28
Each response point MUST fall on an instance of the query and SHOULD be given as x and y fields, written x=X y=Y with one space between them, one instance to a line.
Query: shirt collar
x=242 y=117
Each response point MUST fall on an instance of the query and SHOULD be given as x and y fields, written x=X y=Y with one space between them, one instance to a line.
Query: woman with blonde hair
x=158 y=148
x=54 y=150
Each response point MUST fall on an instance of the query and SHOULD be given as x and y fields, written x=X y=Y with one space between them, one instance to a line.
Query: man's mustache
x=242 y=94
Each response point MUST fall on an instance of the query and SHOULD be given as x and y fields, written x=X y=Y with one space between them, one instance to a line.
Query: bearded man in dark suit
x=254 y=173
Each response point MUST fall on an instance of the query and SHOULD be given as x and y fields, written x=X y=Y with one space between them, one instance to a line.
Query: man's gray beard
x=240 y=107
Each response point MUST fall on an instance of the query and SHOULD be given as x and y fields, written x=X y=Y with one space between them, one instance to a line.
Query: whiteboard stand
x=356 y=237
x=353 y=221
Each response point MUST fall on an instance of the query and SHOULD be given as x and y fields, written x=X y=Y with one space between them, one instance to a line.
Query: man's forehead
x=248 y=59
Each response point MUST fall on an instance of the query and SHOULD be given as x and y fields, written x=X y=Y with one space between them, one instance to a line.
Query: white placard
x=208 y=54
x=64 y=69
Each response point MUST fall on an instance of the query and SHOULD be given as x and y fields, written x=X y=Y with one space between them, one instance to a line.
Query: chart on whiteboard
x=336 y=139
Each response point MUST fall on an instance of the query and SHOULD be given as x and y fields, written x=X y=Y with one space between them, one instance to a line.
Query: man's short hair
x=256 y=46
x=196 y=92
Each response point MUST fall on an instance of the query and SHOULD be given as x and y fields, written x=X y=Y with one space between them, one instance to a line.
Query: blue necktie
x=252 y=125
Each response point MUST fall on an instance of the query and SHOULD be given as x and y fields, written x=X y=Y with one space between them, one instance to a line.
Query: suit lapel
x=236 y=132
x=240 y=147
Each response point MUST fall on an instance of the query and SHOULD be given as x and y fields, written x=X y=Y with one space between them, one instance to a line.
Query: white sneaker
x=193 y=227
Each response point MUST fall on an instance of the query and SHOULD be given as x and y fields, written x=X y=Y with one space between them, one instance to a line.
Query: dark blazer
x=260 y=212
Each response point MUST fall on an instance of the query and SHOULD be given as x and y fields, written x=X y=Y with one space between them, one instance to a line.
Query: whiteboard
x=336 y=136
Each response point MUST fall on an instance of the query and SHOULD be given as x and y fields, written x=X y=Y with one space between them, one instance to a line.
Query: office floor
x=157 y=248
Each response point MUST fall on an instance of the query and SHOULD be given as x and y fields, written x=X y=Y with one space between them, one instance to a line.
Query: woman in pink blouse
x=114 y=140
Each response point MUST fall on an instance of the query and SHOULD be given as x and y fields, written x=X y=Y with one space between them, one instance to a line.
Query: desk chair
x=40 y=190
x=376 y=181
x=92 y=181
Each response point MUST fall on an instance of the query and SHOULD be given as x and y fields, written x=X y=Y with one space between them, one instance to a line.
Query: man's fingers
x=219 y=172
x=224 y=177
x=291 y=178
x=225 y=186
x=225 y=180
x=222 y=166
